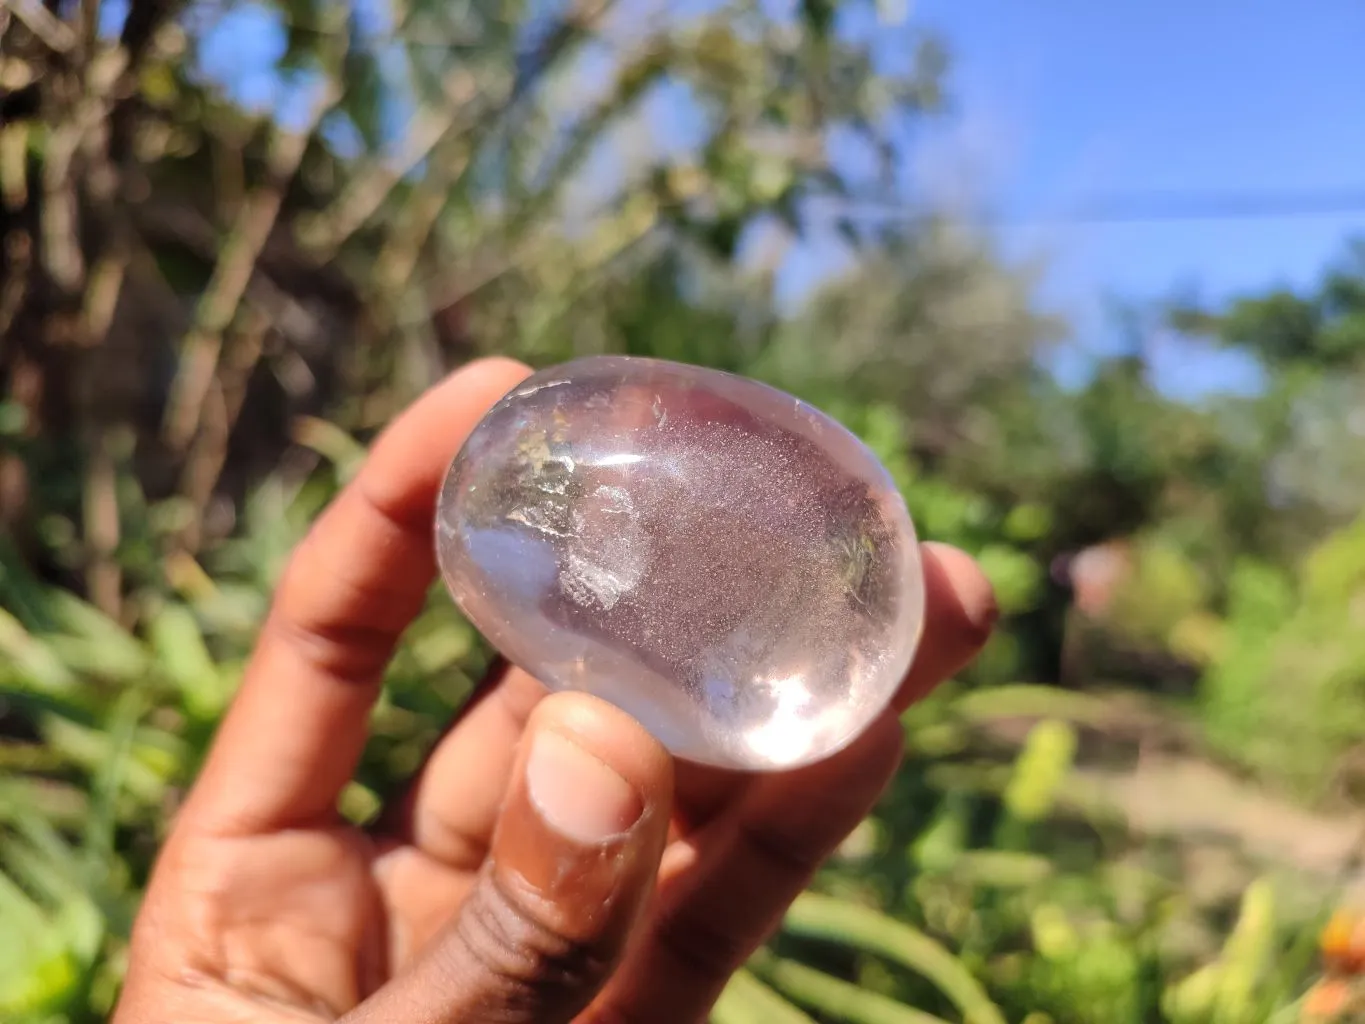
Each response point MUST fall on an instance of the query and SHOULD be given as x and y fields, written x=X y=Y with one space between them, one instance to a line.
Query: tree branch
x=232 y=273
x=54 y=33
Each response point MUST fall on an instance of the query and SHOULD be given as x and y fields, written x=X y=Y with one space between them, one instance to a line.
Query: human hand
x=548 y=864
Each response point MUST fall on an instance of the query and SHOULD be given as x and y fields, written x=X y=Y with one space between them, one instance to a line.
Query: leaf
x=36 y=664
x=822 y=917
x=1002 y=869
x=746 y=1000
x=332 y=443
x=58 y=637
x=74 y=920
x=1247 y=955
x=1192 y=999
x=82 y=621
x=92 y=643
x=835 y=998
x=61 y=805
x=184 y=659
x=35 y=978
x=90 y=747
x=1026 y=700
x=1041 y=769
x=109 y=781
x=51 y=933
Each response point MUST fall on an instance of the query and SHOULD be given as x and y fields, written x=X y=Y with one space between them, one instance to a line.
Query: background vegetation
x=1144 y=801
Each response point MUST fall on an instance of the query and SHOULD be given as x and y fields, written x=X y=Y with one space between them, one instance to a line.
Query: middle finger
x=449 y=811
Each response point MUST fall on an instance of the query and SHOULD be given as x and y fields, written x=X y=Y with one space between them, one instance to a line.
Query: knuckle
x=788 y=845
x=786 y=855
x=705 y=946
x=511 y=941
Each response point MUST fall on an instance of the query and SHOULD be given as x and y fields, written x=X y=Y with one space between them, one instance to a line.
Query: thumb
x=571 y=867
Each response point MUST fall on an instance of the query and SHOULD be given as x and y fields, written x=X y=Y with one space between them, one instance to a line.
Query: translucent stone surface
x=726 y=563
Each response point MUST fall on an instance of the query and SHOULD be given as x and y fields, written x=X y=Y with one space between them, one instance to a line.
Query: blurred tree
x=185 y=273
x=1299 y=473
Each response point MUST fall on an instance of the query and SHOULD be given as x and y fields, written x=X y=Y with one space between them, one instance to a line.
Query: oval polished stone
x=724 y=562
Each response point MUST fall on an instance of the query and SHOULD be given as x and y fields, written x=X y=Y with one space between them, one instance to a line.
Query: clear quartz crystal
x=724 y=562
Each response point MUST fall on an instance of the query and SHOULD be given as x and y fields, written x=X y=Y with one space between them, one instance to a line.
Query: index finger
x=296 y=729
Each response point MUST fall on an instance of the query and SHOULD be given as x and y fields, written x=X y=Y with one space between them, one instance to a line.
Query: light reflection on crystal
x=719 y=559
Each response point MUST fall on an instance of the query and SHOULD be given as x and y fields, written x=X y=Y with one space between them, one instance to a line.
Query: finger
x=725 y=888
x=451 y=808
x=959 y=614
x=571 y=868
x=295 y=731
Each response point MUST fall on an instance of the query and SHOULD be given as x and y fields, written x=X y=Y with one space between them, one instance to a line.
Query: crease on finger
x=725 y=894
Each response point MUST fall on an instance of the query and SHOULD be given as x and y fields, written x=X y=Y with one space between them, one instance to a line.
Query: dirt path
x=1181 y=797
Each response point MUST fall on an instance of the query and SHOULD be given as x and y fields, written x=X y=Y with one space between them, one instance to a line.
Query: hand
x=548 y=863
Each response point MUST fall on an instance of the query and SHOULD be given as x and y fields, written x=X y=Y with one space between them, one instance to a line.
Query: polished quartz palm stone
x=727 y=564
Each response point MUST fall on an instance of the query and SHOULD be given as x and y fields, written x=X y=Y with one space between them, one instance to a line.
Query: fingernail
x=576 y=793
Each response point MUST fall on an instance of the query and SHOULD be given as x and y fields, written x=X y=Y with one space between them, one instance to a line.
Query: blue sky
x=1061 y=101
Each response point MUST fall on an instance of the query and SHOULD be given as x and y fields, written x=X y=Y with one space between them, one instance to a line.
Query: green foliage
x=835 y=998
x=1319 y=329
x=1230 y=990
x=1165 y=589
x=1287 y=694
x=747 y=999
x=819 y=917
x=1042 y=766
